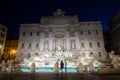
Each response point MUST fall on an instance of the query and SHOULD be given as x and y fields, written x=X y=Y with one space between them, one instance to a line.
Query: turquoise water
x=49 y=69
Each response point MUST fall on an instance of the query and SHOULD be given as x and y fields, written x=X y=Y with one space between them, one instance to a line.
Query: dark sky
x=16 y=12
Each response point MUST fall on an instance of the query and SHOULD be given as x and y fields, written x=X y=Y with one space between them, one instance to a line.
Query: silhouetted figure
x=61 y=65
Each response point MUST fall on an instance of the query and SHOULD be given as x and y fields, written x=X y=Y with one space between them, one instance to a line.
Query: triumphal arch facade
x=60 y=37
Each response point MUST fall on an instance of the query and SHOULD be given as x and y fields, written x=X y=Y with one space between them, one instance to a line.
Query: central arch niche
x=59 y=41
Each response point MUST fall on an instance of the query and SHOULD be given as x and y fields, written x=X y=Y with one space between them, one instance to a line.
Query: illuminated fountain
x=52 y=61
x=61 y=38
x=49 y=61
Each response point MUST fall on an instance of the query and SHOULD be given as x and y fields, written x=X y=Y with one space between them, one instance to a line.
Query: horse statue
x=115 y=60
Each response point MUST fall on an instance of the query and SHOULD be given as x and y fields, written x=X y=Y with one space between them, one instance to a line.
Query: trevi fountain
x=57 y=38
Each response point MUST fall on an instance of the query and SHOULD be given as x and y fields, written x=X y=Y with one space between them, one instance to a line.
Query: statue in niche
x=46 y=45
x=115 y=60
x=73 y=44
x=59 y=45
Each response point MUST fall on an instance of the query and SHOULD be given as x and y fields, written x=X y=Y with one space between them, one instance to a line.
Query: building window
x=89 y=32
x=81 y=32
x=3 y=29
x=99 y=54
x=30 y=33
x=1 y=42
x=29 y=45
x=98 y=44
x=2 y=35
x=82 y=44
x=37 y=45
x=97 y=32
x=23 y=33
x=90 y=44
x=29 y=55
x=22 y=45
x=38 y=33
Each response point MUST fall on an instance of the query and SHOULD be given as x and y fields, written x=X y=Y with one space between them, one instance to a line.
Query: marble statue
x=56 y=67
x=88 y=62
x=59 y=45
x=3 y=66
x=73 y=44
x=32 y=68
x=115 y=60
x=80 y=67
x=91 y=66
x=10 y=67
x=17 y=68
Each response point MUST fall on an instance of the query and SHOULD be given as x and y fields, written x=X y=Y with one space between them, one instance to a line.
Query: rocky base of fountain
x=82 y=64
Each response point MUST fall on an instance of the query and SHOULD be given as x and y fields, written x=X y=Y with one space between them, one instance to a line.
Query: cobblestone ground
x=60 y=76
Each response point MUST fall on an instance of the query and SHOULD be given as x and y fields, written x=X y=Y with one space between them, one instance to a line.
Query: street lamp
x=13 y=52
x=0 y=52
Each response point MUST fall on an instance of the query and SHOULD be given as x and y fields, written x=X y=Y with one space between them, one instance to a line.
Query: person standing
x=61 y=65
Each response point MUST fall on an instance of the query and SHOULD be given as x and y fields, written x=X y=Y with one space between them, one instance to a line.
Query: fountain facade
x=61 y=37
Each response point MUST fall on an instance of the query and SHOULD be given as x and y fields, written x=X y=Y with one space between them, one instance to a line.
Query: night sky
x=16 y=12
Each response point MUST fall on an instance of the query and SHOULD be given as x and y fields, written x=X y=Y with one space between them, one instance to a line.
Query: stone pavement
x=59 y=76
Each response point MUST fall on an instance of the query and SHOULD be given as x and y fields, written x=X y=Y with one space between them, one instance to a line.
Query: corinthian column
x=50 y=41
x=42 y=41
x=77 y=40
x=68 y=40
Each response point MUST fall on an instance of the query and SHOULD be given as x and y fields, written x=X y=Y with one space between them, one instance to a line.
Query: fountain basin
x=49 y=69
